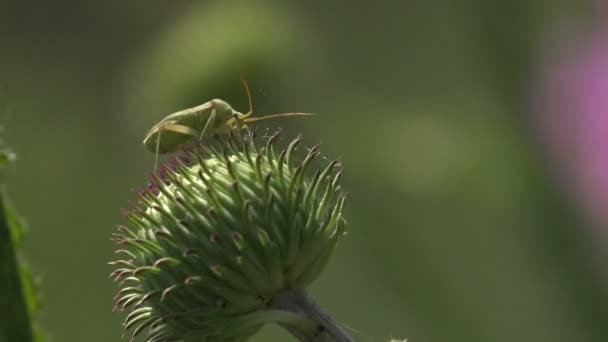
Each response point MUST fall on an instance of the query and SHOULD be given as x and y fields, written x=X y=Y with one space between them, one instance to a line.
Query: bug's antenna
x=245 y=118
x=248 y=96
x=272 y=116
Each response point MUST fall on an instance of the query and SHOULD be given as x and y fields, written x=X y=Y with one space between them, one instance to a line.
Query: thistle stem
x=324 y=328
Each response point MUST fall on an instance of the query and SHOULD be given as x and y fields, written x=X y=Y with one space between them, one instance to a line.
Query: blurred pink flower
x=574 y=120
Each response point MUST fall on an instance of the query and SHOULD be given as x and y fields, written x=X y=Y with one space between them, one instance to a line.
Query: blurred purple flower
x=574 y=121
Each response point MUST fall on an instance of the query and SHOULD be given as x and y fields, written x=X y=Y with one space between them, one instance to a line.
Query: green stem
x=324 y=329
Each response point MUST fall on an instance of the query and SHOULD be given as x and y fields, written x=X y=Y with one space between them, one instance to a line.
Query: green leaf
x=15 y=314
x=18 y=296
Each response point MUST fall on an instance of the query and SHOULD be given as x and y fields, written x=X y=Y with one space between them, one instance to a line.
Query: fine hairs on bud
x=226 y=239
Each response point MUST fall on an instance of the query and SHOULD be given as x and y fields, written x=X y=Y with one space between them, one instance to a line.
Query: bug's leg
x=180 y=129
x=244 y=126
x=236 y=123
x=160 y=131
x=208 y=124
x=172 y=128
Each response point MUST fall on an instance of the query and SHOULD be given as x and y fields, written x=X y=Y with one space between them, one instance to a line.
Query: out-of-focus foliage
x=458 y=230
x=18 y=294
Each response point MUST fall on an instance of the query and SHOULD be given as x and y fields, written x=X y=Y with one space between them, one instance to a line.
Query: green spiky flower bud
x=227 y=228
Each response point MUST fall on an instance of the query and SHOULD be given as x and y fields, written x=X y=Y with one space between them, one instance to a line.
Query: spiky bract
x=228 y=227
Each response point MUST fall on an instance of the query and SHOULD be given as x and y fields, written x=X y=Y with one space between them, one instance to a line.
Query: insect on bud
x=230 y=226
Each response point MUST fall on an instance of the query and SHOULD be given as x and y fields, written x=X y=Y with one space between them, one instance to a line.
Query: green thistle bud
x=227 y=228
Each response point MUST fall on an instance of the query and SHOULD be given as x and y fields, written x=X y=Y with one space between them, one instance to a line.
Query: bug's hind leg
x=170 y=127
x=157 y=150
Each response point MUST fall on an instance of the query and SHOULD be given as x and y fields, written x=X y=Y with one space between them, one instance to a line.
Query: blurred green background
x=457 y=230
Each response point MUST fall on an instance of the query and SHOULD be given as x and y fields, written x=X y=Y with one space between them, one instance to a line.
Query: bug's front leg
x=237 y=121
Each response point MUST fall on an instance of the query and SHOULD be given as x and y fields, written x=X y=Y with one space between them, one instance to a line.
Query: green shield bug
x=212 y=117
